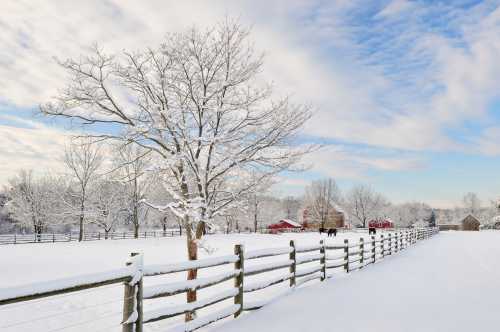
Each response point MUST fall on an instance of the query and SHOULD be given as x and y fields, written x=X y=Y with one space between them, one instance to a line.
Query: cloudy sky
x=407 y=93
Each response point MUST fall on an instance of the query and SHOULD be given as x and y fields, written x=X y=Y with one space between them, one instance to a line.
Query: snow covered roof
x=291 y=222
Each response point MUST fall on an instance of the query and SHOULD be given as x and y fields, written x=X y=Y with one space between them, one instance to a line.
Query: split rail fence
x=347 y=256
x=93 y=236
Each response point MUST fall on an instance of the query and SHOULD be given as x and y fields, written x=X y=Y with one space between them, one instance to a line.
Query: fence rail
x=347 y=257
x=94 y=236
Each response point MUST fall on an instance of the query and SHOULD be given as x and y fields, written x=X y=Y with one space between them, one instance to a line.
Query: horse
x=332 y=231
x=372 y=230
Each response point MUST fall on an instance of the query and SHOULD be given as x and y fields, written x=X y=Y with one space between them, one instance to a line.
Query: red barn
x=381 y=223
x=284 y=224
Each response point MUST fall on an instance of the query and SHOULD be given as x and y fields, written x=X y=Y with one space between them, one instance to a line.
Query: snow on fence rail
x=94 y=236
x=347 y=257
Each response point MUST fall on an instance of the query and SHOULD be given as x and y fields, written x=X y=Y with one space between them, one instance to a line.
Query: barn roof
x=470 y=218
x=291 y=222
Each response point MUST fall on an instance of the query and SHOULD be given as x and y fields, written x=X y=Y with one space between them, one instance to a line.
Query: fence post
x=390 y=243
x=15 y=238
x=361 y=251
x=322 y=261
x=374 y=252
x=132 y=302
x=238 y=280
x=382 y=245
x=293 y=268
x=346 y=251
x=401 y=240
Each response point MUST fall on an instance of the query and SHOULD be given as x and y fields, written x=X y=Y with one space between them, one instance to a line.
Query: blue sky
x=405 y=92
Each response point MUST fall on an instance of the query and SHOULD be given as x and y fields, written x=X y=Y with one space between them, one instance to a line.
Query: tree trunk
x=136 y=231
x=192 y=256
x=136 y=222
x=106 y=233
x=255 y=221
x=80 y=233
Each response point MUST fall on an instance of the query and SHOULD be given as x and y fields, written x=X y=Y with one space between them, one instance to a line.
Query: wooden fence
x=92 y=236
x=347 y=257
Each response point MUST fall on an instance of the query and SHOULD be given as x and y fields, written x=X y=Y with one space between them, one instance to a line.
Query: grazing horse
x=332 y=231
x=322 y=230
x=372 y=230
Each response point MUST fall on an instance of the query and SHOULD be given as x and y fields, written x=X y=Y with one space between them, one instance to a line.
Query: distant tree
x=131 y=163
x=321 y=197
x=471 y=202
x=431 y=219
x=83 y=158
x=29 y=201
x=107 y=205
x=291 y=206
x=365 y=204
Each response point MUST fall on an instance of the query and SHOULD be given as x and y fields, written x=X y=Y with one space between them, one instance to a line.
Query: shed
x=470 y=223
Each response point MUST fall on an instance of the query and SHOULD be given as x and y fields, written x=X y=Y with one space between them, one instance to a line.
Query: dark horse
x=372 y=230
x=330 y=232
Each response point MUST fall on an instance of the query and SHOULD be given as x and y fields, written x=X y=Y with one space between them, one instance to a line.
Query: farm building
x=285 y=224
x=470 y=223
x=381 y=223
x=336 y=218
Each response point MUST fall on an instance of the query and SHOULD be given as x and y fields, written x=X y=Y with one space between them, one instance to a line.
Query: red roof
x=381 y=223
x=285 y=223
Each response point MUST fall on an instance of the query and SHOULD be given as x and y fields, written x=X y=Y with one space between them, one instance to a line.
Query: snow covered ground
x=450 y=282
x=100 y=309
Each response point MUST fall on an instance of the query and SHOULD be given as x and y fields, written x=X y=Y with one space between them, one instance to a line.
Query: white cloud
x=396 y=7
x=345 y=162
x=35 y=147
x=366 y=90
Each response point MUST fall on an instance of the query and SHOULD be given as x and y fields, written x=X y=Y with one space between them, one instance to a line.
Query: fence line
x=93 y=236
x=347 y=256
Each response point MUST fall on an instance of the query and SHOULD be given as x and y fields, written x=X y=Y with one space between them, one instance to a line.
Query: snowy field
x=450 y=282
x=101 y=309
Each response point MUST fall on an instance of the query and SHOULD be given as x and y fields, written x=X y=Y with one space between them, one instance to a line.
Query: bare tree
x=107 y=205
x=364 y=204
x=131 y=163
x=472 y=204
x=83 y=158
x=291 y=205
x=29 y=201
x=198 y=103
x=321 y=198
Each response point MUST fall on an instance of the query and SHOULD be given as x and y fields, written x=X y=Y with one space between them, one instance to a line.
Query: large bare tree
x=199 y=103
